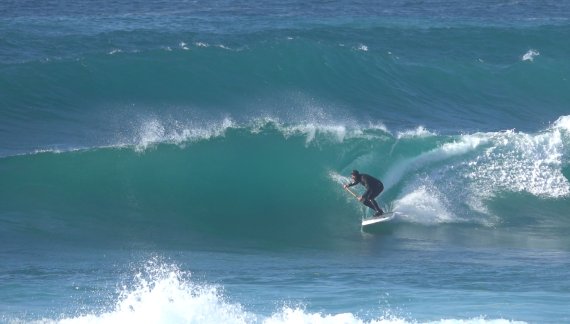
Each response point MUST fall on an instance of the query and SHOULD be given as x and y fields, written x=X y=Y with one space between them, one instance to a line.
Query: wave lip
x=420 y=131
x=153 y=131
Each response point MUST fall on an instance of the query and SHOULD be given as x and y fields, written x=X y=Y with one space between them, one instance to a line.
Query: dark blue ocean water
x=183 y=161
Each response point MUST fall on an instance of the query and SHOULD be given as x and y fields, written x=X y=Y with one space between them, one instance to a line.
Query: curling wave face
x=281 y=181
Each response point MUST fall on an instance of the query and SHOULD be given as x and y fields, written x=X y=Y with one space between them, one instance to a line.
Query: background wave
x=470 y=78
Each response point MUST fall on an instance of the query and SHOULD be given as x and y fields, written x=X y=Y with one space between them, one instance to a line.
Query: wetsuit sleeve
x=354 y=183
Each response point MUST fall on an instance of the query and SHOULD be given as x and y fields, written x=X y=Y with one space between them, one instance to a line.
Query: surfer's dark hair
x=355 y=173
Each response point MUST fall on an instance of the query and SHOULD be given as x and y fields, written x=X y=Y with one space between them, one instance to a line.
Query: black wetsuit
x=373 y=188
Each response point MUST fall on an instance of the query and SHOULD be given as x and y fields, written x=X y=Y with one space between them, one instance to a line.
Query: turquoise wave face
x=276 y=182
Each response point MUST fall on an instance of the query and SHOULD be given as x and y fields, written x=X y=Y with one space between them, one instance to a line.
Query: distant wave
x=103 y=86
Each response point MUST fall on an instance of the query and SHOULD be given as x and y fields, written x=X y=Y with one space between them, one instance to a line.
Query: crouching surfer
x=373 y=188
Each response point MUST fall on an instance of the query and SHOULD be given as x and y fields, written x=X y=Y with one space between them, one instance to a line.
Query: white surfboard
x=380 y=219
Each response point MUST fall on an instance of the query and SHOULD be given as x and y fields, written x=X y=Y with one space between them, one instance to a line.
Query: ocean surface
x=183 y=161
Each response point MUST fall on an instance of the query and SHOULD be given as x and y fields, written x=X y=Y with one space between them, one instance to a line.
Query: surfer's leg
x=369 y=204
x=373 y=202
x=376 y=207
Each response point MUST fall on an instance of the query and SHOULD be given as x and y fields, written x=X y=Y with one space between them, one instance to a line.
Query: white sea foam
x=55 y=151
x=146 y=133
x=420 y=131
x=153 y=131
x=425 y=205
x=520 y=162
x=493 y=163
x=338 y=178
x=562 y=123
x=362 y=47
x=378 y=126
x=530 y=55
x=164 y=294
x=332 y=132
x=310 y=130
x=466 y=144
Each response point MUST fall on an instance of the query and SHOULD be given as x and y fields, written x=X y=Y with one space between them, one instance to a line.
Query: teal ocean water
x=183 y=161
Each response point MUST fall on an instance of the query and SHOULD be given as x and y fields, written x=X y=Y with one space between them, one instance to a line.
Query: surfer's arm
x=352 y=184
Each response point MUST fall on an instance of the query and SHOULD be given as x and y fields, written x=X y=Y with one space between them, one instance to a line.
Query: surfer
x=373 y=188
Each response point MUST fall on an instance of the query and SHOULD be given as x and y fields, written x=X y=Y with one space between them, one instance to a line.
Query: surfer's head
x=355 y=174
